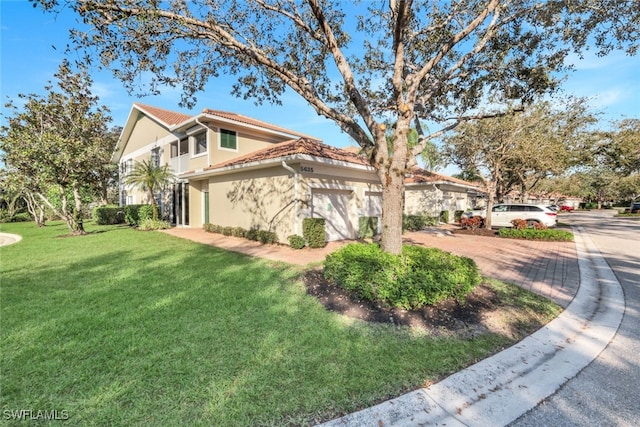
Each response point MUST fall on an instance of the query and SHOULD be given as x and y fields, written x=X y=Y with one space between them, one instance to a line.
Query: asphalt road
x=606 y=392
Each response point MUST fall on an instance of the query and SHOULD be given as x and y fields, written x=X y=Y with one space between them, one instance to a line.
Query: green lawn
x=122 y=327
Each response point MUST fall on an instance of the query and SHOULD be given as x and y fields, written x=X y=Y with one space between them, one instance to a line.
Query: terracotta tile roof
x=253 y=122
x=419 y=176
x=170 y=118
x=289 y=148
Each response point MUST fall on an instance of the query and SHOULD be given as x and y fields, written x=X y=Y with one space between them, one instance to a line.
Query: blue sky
x=28 y=62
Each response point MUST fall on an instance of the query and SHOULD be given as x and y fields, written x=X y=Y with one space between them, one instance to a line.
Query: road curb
x=499 y=389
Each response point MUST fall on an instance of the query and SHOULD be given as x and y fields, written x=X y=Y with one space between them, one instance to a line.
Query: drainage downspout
x=295 y=194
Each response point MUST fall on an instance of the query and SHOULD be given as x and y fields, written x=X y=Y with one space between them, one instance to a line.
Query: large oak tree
x=359 y=64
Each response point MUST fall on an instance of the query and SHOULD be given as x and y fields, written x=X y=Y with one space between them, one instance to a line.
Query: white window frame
x=194 y=144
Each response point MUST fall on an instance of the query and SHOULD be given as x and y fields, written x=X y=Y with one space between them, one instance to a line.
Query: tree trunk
x=491 y=190
x=154 y=205
x=392 y=210
x=35 y=209
x=391 y=171
x=77 y=211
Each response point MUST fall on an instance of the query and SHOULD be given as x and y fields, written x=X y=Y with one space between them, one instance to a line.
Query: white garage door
x=333 y=206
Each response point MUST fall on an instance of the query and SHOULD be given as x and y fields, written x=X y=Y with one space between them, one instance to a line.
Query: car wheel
x=531 y=223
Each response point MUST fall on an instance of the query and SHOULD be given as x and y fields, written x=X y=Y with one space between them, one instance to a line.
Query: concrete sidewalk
x=9 y=239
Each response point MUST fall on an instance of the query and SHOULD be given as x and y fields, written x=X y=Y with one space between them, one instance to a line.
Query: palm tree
x=148 y=177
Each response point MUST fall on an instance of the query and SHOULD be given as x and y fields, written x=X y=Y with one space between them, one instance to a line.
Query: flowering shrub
x=519 y=224
x=472 y=223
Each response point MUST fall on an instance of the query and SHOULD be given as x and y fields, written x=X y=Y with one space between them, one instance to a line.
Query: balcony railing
x=179 y=164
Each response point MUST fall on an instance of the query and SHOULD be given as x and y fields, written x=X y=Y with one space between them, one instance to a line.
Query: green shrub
x=108 y=215
x=417 y=222
x=267 y=237
x=19 y=217
x=535 y=234
x=145 y=212
x=367 y=226
x=238 y=232
x=313 y=232
x=252 y=234
x=150 y=224
x=444 y=217
x=131 y=215
x=296 y=241
x=457 y=216
x=227 y=231
x=419 y=276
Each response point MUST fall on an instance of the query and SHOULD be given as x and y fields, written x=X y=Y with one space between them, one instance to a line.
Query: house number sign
x=307 y=169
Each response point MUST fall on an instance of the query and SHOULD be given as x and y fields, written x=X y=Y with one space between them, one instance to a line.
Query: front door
x=181 y=203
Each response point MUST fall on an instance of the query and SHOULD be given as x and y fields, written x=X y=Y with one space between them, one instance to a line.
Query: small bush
x=131 y=215
x=539 y=226
x=533 y=234
x=267 y=237
x=238 y=232
x=444 y=217
x=150 y=224
x=473 y=223
x=519 y=224
x=252 y=234
x=296 y=241
x=457 y=216
x=419 y=276
x=313 y=232
x=19 y=217
x=227 y=231
x=367 y=226
x=145 y=212
x=108 y=215
x=417 y=222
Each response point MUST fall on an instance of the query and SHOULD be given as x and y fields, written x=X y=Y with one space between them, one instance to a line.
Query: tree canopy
x=59 y=142
x=359 y=64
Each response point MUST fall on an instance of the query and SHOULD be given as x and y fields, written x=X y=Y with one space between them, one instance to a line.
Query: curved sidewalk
x=9 y=239
x=499 y=389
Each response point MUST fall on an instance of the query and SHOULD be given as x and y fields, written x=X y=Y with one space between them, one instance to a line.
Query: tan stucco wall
x=264 y=198
x=145 y=132
x=424 y=200
x=255 y=199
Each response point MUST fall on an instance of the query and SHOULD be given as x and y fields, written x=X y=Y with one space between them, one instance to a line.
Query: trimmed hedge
x=145 y=212
x=253 y=234
x=536 y=234
x=417 y=222
x=419 y=276
x=313 y=232
x=108 y=215
x=444 y=217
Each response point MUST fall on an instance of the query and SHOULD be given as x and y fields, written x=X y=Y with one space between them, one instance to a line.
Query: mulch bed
x=445 y=319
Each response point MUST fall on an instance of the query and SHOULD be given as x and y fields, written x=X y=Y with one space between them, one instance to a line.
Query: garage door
x=333 y=206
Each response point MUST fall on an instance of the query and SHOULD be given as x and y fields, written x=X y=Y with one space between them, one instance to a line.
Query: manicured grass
x=122 y=327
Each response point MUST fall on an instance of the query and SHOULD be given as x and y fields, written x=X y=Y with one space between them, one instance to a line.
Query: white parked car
x=503 y=213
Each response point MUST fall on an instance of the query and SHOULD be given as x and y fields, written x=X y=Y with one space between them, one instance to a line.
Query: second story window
x=180 y=148
x=200 y=143
x=228 y=139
